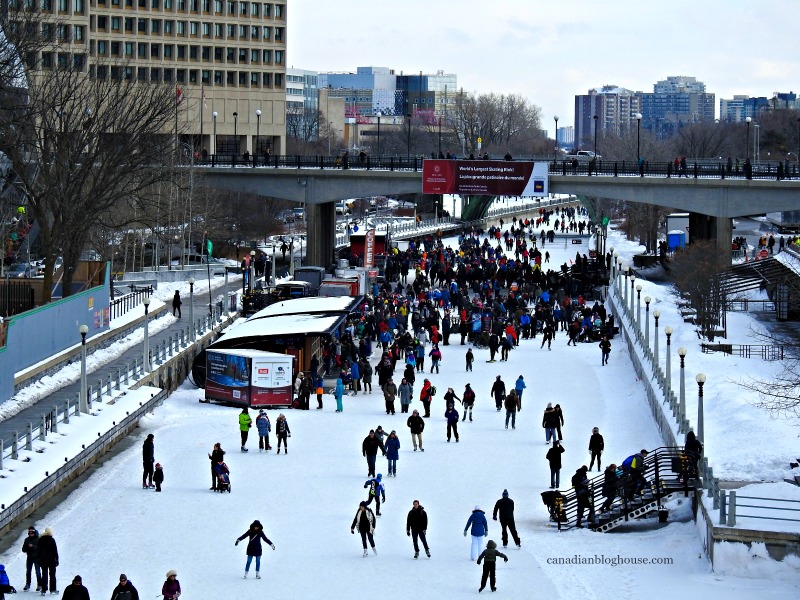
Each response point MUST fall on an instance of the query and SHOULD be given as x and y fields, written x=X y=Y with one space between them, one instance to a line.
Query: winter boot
x=245 y=574
x=365 y=551
x=374 y=550
x=258 y=575
x=428 y=552
x=416 y=554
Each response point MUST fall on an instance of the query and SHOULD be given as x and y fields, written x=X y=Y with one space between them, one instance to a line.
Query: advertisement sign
x=369 y=249
x=271 y=380
x=485 y=177
x=228 y=377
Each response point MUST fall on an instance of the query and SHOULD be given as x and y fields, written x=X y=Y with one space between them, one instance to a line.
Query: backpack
x=433 y=391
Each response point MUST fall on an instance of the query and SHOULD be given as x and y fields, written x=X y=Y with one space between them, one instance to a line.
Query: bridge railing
x=698 y=169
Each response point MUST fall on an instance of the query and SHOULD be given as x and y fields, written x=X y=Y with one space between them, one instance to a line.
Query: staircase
x=663 y=470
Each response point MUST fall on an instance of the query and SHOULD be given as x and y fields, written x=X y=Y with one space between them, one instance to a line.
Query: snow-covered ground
x=307 y=501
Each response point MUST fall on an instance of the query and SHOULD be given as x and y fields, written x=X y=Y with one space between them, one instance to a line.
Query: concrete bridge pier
x=321 y=231
x=706 y=227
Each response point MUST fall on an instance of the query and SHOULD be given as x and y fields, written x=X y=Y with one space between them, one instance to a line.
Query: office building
x=225 y=58
x=615 y=108
x=738 y=108
x=675 y=101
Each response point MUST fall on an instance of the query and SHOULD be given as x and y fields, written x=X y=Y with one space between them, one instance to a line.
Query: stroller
x=554 y=501
x=223 y=477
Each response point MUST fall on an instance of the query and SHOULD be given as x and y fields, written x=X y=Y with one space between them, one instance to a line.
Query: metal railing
x=745 y=305
x=732 y=501
x=707 y=169
x=123 y=304
x=764 y=352
x=105 y=388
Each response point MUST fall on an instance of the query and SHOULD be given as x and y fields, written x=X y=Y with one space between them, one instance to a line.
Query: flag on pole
x=209 y=246
x=178 y=95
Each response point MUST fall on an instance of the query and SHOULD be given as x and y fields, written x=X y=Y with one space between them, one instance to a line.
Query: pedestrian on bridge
x=176 y=303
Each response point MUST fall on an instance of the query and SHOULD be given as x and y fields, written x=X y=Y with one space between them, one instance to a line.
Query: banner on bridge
x=484 y=177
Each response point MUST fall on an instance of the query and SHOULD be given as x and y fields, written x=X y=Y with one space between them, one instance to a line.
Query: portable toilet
x=676 y=239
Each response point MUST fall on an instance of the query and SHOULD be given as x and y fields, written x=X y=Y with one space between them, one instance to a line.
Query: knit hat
x=477 y=507
x=77 y=579
x=158 y=465
x=48 y=531
x=549 y=405
x=123 y=576
x=505 y=493
x=171 y=572
x=595 y=430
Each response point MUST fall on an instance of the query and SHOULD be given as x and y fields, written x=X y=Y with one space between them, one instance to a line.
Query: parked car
x=21 y=270
x=299 y=214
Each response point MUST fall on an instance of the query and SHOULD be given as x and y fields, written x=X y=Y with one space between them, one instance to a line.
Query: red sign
x=369 y=250
x=485 y=177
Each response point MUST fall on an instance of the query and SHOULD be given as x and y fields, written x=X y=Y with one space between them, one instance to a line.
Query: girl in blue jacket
x=338 y=393
x=392 y=452
x=480 y=529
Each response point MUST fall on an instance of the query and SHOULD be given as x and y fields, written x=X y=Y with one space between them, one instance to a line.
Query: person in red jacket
x=426 y=395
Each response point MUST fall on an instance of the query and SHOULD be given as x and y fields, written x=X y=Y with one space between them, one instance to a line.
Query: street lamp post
x=668 y=386
x=626 y=272
x=555 y=147
x=214 y=116
x=700 y=378
x=639 y=308
x=638 y=138
x=235 y=133
x=682 y=396
x=656 y=315
x=252 y=267
x=757 y=143
x=614 y=259
x=595 y=136
x=83 y=403
x=192 y=329
x=747 y=144
x=633 y=281
x=258 y=135
x=146 y=357
x=408 y=139
x=647 y=322
x=440 y=144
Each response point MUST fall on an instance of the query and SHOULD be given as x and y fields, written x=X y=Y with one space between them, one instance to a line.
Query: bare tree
x=82 y=146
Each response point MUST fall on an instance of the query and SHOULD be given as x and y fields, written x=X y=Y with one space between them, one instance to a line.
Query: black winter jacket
x=505 y=507
x=417 y=519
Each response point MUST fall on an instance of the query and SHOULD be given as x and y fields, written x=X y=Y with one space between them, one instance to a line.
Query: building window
x=231 y=8
x=47 y=5
x=230 y=78
x=155 y=50
x=195 y=4
x=255 y=9
x=62 y=6
x=218 y=54
x=217 y=77
x=102 y=47
x=193 y=52
x=155 y=75
x=169 y=27
x=206 y=77
x=102 y=71
x=254 y=33
x=218 y=30
x=279 y=34
x=242 y=78
x=181 y=27
x=141 y=25
x=242 y=32
x=128 y=24
x=278 y=61
x=128 y=73
x=141 y=50
x=267 y=14
x=206 y=29
x=169 y=50
x=155 y=5
x=254 y=79
x=254 y=55
x=267 y=78
x=206 y=53
x=141 y=74
x=47 y=60
x=167 y=4
x=279 y=11
x=243 y=56
x=206 y=6
x=115 y=48
x=192 y=75
x=48 y=32
x=128 y=48
x=230 y=55
x=194 y=27
x=243 y=8
x=180 y=75
x=218 y=6
x=115 y=22
x=266 y=33
x=231 y=31
x=267 y=57
x=78 y=33
x=79 y=7
x=142 y=4
x=278 y=79
x=63 y=33
x=78 y=62
x=167 y=75
x=182 y=5
x=181 y=52
x=155 y=26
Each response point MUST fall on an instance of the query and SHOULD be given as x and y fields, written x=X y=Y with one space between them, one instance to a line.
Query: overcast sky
x=548 y=50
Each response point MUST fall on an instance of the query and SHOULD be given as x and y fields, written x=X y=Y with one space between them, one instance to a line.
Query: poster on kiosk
x=250 y=378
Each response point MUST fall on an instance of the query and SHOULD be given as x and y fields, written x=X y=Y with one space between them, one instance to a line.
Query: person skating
x=554 y=458
x=450 y=397
x=468 y=401
x=389 y=390
x=377 y=492
x=559 y=421
x=512 y=405
x=425 y=396
x=369 y=450
x=125 y=590
x=505 y=508
x=30 y=546
x=417 y=527
x=319 y=385
x=264 y=427
x=470 y=358
x=478 y=528
x=519 y=387
x=406 y=392
x=417 y=425
x=158 y=476
x=148 y=460
x=365 y=520
x=498 y=391
x=392 y=452
x=549 y=422
x=255 y=534
x=5 y=583
x=76 y=590
x=48 y=560
x=282 y=432
x=489 y=558
x=547 y=336
x=605 y=350
x=245 y=423
x=217 y=456
x=451 y=414
x=338 y=393
x=596 y=445
x=494 y=344
x=171 y=589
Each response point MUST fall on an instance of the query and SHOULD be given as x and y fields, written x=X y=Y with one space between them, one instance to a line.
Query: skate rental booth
x=293 y=329
x=250 y=378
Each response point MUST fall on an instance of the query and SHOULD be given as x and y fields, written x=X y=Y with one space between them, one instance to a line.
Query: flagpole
x=202 y=102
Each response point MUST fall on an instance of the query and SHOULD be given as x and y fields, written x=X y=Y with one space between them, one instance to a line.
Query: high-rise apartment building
x=226 y=58
x=675 y=101
x=614 y=107
x=738 y=108
x=565 y=136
